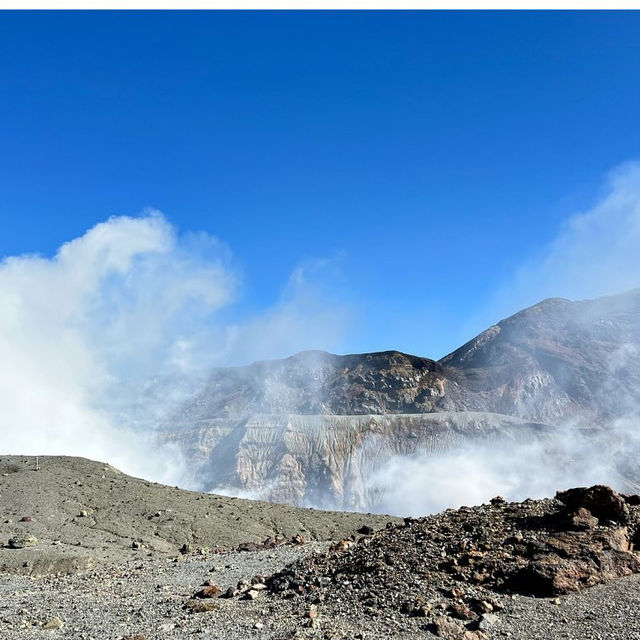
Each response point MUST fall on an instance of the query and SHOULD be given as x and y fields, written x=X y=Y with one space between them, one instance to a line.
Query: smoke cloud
x=423 y=484
x=595 y=253
x=101 y=340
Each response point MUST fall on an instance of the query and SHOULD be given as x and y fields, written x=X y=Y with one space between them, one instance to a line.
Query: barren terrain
x=102 y=555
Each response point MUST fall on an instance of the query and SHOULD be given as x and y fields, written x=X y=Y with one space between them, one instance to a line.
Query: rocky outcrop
x=312 y=428
x=325 y=460
x=456 y=569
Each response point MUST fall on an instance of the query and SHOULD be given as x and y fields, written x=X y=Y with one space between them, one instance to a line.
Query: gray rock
x=22 y=540
x=487 y=620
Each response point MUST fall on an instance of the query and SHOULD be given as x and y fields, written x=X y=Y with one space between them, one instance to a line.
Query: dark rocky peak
x=317 y=382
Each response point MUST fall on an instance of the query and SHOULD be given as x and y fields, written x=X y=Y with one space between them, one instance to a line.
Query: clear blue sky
x=431 y=153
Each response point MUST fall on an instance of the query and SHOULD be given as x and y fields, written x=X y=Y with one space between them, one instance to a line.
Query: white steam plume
x=596 y=252
x=127 y=301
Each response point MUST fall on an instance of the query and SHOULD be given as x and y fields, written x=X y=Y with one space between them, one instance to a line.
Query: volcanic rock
x=22 y=540
x=54 y=623
x=313 y=428
x=472 y=556
x=602 y=501
x=209 y=591
x=582 y=519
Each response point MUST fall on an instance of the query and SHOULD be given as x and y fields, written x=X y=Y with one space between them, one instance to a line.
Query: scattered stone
x=342 y=545
x=210 y=591
x=474 y=635
x=83 y=514
x=22 y=540
x=200 y=606
x=447 y=628
x=483 y=606
x=464 y=562
x=365 y=530
x=54 y=623
x=582 y=520
x=462 y=611
x=26 y=519
x=269 y=543
x=487 y=620
x=252 y=594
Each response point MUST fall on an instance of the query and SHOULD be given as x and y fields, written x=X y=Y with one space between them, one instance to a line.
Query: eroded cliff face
x=313 y=428
x=327 y=460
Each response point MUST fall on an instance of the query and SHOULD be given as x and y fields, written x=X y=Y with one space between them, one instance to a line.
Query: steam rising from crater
x=595 y=253
x=99 y=342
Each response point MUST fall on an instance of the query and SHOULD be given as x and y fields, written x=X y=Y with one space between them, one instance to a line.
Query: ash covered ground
x=84 y=559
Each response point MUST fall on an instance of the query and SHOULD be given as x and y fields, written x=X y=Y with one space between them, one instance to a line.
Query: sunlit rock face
x=326 y=460
x=311 y=429
x=558 y=360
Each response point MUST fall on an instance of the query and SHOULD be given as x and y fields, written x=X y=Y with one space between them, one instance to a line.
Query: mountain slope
x=83 y=512
x=315 y=427
x=558 y=359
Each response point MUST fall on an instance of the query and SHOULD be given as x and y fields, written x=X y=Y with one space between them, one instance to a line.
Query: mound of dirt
x=456 y=569
x=63 y=514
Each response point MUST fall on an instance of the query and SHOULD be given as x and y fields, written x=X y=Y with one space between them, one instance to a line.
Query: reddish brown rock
x=209 y=591
x=602 y=501
x=462 y=611
x=449 y=629
x=583 y=520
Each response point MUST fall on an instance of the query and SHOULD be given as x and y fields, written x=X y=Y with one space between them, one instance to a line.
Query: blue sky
x=425 y=157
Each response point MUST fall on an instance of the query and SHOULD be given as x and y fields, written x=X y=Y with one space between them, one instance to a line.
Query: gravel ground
x=115 y=571
x=146 y=598
x=602 y=612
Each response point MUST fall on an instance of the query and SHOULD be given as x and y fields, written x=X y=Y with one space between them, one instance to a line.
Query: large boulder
x=602 y=501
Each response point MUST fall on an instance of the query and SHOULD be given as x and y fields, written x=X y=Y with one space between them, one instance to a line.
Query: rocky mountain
x=315 y=427
x=558 y=360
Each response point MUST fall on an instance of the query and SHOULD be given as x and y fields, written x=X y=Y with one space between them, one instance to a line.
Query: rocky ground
x=84 y=513
x=90 y=561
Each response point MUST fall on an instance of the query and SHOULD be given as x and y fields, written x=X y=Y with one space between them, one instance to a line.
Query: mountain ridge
x=286 y=428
